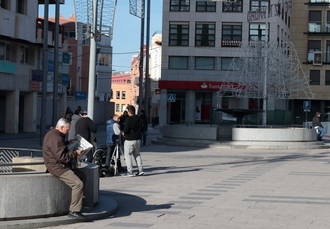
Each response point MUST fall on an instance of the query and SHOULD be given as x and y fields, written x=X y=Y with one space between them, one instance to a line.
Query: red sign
x=200 y=85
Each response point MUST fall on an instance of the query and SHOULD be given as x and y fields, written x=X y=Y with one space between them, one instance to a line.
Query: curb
x=106 y=207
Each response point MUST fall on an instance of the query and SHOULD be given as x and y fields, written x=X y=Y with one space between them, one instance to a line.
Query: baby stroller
x=109 y=162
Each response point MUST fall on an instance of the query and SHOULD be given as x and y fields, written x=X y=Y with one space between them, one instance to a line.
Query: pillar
x=190 y=107
x=163 y=108
x=30 y=112
x=12 y=109
x=216 y=104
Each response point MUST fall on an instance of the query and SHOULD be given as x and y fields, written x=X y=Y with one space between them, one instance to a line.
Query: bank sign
x=200 y=85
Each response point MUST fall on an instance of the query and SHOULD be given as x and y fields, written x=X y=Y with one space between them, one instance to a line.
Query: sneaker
x=140 y=173
x=128 y=175
x=75 y=215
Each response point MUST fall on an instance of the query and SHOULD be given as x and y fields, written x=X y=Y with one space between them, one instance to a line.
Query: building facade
x=19 y=57
x=200 y=41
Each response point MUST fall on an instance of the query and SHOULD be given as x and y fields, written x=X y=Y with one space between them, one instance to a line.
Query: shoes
x=128 y=175
x=140 y=173
x=75 y=215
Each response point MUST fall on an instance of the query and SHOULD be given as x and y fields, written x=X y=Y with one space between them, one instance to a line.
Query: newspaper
x=82 y=144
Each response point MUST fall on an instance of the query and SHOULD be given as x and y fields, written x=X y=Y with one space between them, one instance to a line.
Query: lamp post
x=147 y=77
x=56 y=64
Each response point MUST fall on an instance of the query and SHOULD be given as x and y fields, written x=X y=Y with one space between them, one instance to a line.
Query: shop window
x=117 y=94
x=178 y=62
x=205 y=6
x=180 y=5
x=232 y=6
x=21 y=6
x=123 y=95
x=230 y=63
x=205 y=35
x=314 y=77
x=204 y=63
x=5 y=4
x=179 y=34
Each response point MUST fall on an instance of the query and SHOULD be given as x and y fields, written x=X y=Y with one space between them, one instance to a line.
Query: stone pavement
x=197 y=188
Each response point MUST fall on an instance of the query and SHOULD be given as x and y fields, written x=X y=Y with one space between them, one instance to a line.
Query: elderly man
x=58 y=160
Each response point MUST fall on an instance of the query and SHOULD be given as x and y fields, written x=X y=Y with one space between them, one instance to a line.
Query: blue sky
x=126 y=31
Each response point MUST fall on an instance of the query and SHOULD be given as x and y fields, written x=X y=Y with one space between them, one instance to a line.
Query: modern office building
x=200 y=41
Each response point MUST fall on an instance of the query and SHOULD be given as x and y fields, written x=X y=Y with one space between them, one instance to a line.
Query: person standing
x=317 y=125
x=144 y=127
x=58 y=160
x=86 y=128
x=132 y=133
x=74 y=119
x=113 y=136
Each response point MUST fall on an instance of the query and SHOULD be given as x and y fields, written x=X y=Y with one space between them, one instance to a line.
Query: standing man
x=113 y=136
x=58 y=160
x=132 y=132
x=317 y=125
x=86 y=128
x=144 y=127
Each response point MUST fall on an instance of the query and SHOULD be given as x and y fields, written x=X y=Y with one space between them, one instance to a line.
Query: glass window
x=231 y=35
x=314 y=77
x=204 y=63
x=205 y=34
x=232 y=6
x=178 y=62
x=327 y=52
x=21 y=6
x=205 y=6
x=258 y=32
x=117 y=94
x=259 y=5
x=5 y=4
x=230 y=63
x=123 y=95
x=313 y=46
x=180 y=5
x=327 y=77
x=179 y=34
x=123 y=107
x=118 y=108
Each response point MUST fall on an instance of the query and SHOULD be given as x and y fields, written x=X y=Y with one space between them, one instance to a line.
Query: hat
x=84 y=112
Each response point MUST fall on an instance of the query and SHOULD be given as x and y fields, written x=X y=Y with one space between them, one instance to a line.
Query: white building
x=19 y=56
x=200 y=41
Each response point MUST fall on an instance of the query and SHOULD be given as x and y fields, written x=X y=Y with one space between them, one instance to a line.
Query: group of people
x=128 y=129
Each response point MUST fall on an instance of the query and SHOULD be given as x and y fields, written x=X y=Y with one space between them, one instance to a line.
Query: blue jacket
x=110 y=132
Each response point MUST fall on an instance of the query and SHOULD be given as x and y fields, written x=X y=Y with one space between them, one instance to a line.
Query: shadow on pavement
x=129 y=204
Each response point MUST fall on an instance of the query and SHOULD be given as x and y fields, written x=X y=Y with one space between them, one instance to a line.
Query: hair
x=131 y=109
x=62 y=122
x=114 y=116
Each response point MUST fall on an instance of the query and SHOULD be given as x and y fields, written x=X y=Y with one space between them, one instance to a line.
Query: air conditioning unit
x=317 y=58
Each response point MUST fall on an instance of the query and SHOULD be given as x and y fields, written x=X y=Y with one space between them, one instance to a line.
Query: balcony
x=318 y=28
x=318 y=58
x=231 y=43
x=7 y=67
x=318 y=3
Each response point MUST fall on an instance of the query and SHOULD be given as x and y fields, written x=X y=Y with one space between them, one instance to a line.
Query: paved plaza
x=197 y=188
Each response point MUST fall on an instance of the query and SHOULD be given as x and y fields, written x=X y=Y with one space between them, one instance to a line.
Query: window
x=314 y=46
x=230 y=63
x=205 y=35
x=178 y=62
x=327 y=52
x=259 y=5
x=258 y=32
x=180 y=5
x=231 y=35
x=5 y=4
x=327 y=77
x=117 y=94
x=232 y=6
x=26 y=55
x=204 y=63
x=123 y=107
x=314 y=77
x=314 y=24
x=205 y=6
x=123 y=95
x=21 y=6
x=117 y=107
x=179 y=34
x=328 y=22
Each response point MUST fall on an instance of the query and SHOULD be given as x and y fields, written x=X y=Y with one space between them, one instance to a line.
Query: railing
x=318 y=27
x=318 y=2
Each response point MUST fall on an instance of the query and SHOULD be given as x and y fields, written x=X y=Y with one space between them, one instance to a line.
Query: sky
x=126 y=37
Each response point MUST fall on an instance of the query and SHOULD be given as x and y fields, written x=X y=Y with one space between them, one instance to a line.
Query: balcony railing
x=318 y=27
x=318 y=2
x=318 y=57
x=230 y=43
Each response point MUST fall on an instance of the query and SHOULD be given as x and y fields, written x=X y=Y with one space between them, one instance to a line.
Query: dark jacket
x=144 y=123
x=85 y=127
x=316 y=122
x=56 y=155
x=133 y=128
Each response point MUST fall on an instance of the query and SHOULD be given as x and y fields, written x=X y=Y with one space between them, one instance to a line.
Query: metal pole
x=56 y=64
x=92 y=64
x=264 y=117
x=141 y=56
x=45 y=72
x=147 y=78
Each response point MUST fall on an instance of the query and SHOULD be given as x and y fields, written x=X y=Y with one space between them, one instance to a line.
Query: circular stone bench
x=289 y=134
x=32 y=195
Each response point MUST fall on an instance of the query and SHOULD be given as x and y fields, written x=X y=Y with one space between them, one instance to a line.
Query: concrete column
x=190 y=107
x=12 y=109
x=216 y=104
x=163 y=108
x=30 y=112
